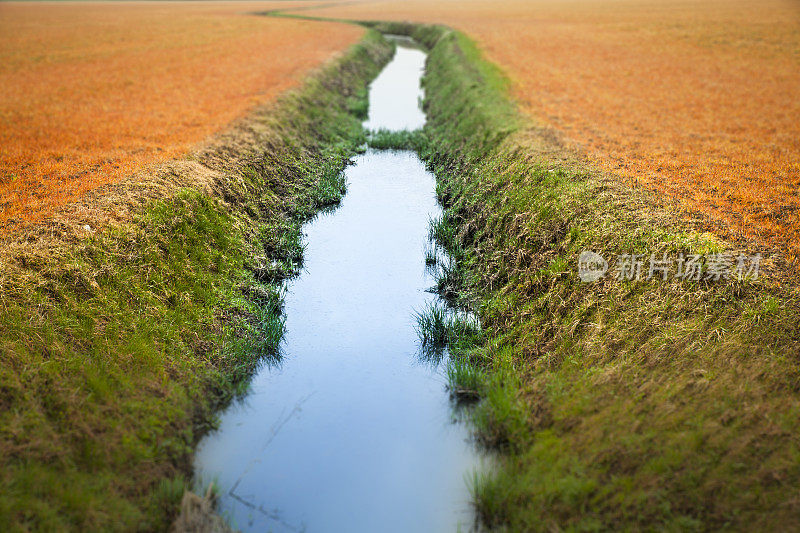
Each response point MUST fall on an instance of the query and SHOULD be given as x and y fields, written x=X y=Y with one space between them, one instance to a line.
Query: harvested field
x=94 y=91
x=696 y=100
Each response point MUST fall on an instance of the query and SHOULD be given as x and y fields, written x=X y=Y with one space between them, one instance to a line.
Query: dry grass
x=93 y=92
x=697 y=100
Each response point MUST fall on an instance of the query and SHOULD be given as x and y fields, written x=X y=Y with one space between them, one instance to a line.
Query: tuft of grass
x=432 y=258
x=398 y=140
x=440 y=327
x=465 y=380
x=449 y=280
x=169 y=492
x=433 y=327
x=442 y=232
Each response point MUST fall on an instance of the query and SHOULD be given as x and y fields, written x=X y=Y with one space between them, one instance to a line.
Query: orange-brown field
x=697 y=99
x=93 y=91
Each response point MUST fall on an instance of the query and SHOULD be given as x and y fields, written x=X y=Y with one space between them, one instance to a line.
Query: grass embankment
x=616 y=404
x=118 y=346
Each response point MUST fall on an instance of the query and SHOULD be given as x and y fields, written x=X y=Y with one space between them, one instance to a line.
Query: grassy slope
x=622 y=405
x=116 y=352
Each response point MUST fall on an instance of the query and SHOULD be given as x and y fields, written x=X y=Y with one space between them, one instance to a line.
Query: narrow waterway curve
x=352 y=432
x=395 y=94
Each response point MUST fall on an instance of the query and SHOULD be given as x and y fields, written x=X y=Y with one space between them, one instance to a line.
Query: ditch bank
x=616 y=404
x=122 y=338
x=353 y=429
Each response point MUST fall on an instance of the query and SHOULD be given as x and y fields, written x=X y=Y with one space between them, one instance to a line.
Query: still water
x=353 y=431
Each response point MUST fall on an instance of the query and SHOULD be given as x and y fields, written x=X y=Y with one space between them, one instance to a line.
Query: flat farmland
x=664 y=397
x=92 y=92
x=695 y=100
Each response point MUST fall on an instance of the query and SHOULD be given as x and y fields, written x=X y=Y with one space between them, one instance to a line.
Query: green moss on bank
x=116 y=353
x=615 y=405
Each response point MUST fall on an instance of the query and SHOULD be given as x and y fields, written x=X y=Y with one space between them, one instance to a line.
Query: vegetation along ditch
x=352 y=428
x=671 y=403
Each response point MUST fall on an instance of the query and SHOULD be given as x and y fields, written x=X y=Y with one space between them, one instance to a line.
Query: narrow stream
x=354 y=431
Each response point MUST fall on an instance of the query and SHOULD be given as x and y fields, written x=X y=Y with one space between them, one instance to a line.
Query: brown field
x=699 y=100
x=91 y=92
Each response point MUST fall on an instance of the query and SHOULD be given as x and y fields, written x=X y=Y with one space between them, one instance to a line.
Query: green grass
x=464 y=379
x=433 y=328
x=117 y=349
x=442 y=331
x=397 y=140
x=615 y=405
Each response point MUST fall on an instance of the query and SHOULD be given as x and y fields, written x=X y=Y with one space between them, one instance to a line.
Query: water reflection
x=351 y=433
